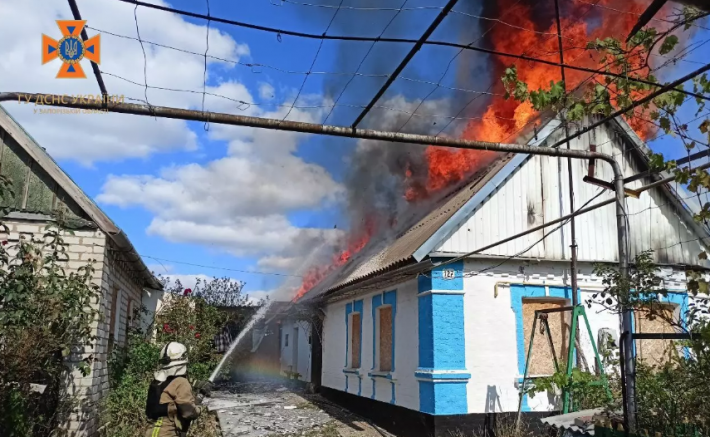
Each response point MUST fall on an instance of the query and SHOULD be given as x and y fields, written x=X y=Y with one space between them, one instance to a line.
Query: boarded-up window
x=541 y=362
x=355 y=340
x=385 y=350
x=655 y=352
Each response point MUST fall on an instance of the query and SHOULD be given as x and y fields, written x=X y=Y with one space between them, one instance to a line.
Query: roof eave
x=39 y=155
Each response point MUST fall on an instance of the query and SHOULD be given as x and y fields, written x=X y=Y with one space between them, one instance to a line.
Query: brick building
x=41 y=188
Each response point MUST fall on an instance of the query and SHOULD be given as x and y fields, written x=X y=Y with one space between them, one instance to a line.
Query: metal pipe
x=296 y=126
x=413 y=51
x=85 y=36
x=627 y=314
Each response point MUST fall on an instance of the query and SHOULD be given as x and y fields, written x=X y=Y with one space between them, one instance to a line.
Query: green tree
x=675 y=392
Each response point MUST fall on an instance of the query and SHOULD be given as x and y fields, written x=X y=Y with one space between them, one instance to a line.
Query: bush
x=35 y=287
x=184 y=318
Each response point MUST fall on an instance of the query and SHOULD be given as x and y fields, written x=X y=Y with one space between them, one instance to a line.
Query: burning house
x=417 y=345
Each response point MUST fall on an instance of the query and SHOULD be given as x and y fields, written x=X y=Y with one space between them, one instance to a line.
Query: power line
x=410 y=55
x=244 y=105
x=255 y=66
x=315 y=58
x=279 y=32
x=145 y=58
x=85 y=36
x=255 y=272
x=437 y=85
x=204 y=74
x=372 y=46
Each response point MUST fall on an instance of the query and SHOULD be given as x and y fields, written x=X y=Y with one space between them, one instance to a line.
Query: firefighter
x=171 y=405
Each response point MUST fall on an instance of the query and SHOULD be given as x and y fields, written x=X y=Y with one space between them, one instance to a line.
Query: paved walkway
x=261 y=409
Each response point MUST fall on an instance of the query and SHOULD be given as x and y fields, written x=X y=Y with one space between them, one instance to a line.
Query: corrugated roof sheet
x=579 y=423
x=399 y=252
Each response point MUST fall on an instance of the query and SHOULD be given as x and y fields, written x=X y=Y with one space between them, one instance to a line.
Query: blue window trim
x=517 y=293
x=352 y=307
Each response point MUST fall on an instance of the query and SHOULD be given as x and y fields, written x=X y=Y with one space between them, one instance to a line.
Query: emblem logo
x=71 y=49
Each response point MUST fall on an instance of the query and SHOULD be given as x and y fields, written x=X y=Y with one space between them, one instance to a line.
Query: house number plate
x=449 y=274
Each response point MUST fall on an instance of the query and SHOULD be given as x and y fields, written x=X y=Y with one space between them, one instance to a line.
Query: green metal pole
x=570 y=358
x=546 y=324
x=596 y=354
x=525 y=372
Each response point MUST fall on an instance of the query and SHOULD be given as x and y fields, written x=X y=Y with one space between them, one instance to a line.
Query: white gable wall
x=296 y=357
x=532 y=196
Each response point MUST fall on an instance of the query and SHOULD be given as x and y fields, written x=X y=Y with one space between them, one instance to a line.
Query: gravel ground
x=266 y=409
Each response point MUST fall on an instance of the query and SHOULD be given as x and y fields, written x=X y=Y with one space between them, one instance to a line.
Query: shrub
x=184 y=318
x=46 y=314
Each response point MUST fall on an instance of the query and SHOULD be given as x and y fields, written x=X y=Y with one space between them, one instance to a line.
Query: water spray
x=258 y=316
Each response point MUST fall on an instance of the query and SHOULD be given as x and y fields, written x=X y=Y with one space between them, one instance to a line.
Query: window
x=355 y=340
x=112 y=320
x=286 y=341
x=129 y=316
x=541 y=362
x=385 y=339
x=655 y=352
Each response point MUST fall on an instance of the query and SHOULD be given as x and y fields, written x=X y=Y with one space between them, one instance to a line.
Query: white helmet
x=173 y=354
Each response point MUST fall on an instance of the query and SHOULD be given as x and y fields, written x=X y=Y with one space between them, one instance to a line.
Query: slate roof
x=401 y=251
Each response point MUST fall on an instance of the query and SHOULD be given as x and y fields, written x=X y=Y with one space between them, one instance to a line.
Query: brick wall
x=111 y=275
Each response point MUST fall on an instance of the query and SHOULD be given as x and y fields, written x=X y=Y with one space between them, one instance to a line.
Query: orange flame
x=504 y=119
x=316 y=274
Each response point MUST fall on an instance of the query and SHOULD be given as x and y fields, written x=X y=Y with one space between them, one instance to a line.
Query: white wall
x=303 y=358
x=406 y=344
x=152 y=301
x=532 y=195
x=491 y=342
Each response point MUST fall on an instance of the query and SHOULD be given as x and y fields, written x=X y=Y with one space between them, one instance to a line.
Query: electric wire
x=362 y=61
x=315 y=58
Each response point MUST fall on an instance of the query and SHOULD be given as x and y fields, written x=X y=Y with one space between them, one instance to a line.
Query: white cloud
x=239 y=203
x=87 y=138
x=266 y=91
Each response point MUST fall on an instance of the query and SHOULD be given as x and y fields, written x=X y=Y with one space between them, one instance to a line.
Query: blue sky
x=148 y=175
